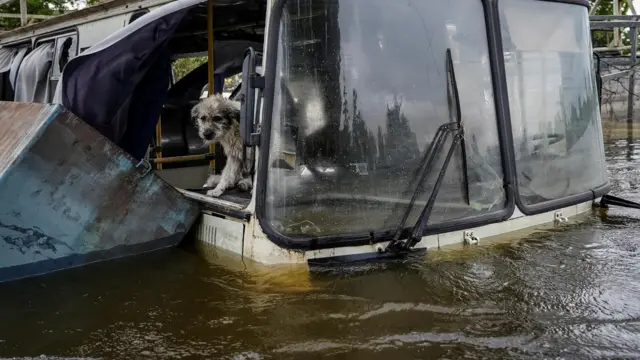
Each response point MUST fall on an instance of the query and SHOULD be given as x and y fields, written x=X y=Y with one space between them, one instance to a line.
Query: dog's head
x=214 y=117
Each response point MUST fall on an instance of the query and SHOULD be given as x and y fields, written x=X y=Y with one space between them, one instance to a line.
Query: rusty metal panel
x=16 y=135
x=69 y=196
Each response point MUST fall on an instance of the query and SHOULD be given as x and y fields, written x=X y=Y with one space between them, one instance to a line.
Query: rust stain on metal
x=14 y=134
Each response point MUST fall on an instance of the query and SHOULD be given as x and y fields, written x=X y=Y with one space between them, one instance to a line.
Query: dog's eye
x=217 y=118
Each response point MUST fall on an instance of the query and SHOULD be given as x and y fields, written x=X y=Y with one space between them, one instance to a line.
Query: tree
x=606 y=7
x=381 y=150
x=182 y=67
x=603 y=38
x=344 y=134
x=34 y=7
x=401 y=142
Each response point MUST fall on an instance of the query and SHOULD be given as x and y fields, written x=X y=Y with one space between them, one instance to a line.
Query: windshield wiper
x=453 y=127
x=418 y=229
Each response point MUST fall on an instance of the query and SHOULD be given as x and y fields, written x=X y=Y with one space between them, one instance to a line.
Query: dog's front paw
x=245 y=185
x=215 y=192
x=213 y=180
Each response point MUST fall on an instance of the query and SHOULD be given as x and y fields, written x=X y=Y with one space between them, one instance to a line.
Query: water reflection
x=570 y=293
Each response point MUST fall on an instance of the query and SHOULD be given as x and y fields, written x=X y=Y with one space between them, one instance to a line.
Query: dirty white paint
x=219 y=232
x=255 y=245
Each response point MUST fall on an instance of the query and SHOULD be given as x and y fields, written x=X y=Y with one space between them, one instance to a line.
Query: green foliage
x=603 y=38
x=35 y=7
x=39 y=7
x=606 y=7
x=182 y=67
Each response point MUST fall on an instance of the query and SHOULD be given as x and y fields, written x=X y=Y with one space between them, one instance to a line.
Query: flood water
x=569 y=293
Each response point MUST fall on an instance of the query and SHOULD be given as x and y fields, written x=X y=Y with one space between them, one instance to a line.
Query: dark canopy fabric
x=118 y=85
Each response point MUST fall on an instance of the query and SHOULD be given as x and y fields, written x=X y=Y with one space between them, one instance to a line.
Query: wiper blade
x=455 y=127
x=455 y=114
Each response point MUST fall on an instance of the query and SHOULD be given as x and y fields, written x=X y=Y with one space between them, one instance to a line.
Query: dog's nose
x=208 y=134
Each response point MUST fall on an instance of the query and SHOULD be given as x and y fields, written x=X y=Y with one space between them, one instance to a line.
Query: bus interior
x=31 y=69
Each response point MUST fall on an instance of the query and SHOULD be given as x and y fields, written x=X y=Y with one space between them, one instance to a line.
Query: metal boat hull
x=69 y=196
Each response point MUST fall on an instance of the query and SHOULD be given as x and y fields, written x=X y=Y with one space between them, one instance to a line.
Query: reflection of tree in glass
x=361 y=141
x=358 y=144
x=381 y=148
x=345 y=131
x=346 y=138
x=580 y=117
x=401 y=143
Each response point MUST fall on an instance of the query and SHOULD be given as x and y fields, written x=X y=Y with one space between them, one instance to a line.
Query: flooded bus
x=380 y=128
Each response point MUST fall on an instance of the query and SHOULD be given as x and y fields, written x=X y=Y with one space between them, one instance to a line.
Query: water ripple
x=571 y=292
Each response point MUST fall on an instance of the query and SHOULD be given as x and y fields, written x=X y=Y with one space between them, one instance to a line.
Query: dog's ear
x=194 y=120
x=195 y=113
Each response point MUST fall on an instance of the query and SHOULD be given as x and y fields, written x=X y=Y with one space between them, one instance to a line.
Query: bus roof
x=74 y=18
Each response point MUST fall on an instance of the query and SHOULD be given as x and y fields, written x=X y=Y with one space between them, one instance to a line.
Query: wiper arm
x=416 y=233
x=455 y=127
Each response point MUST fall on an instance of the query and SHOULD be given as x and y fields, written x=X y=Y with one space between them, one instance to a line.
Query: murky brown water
x=571 y=293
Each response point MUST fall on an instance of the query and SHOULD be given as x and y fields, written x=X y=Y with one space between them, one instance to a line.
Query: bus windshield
x=360 y=91
x=553 y=100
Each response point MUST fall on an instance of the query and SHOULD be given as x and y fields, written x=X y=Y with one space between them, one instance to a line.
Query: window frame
x=555 y=204
x=56 y=55
x=494 y=44
x=54 y=37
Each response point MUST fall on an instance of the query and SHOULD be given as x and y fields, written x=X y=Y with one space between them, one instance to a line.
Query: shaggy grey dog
x=218 y=121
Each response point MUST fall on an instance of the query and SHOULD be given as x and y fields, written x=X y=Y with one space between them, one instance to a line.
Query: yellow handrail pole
x=178 y=159
x=210 y=3
x=159 y=142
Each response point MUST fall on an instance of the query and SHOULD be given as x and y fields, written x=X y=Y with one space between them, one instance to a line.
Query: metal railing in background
x=23 y=12
x=618 y=61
